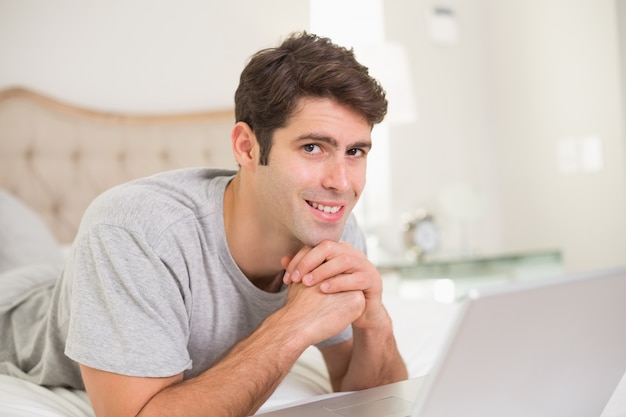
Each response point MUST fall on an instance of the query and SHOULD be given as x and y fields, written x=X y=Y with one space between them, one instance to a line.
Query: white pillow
x=24 y=237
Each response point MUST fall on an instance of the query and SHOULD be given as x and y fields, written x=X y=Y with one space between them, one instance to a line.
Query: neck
x=256 y=252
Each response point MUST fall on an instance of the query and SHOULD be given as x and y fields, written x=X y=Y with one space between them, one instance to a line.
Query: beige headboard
x=58 y=157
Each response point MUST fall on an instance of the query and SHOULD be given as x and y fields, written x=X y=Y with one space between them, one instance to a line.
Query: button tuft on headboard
x=75 y=156
x=29 y=154
x=55 y=208
x=80 y=151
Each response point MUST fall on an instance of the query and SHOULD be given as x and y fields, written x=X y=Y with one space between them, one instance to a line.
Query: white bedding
x=421 y=328
x=19 y=398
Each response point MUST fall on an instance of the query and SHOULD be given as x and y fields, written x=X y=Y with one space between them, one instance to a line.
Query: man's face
x=316 y=171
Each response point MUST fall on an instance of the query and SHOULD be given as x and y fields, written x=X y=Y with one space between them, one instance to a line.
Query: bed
x=56 y=157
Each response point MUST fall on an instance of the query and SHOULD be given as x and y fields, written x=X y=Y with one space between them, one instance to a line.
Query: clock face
x=421 y=235
x=426 y=236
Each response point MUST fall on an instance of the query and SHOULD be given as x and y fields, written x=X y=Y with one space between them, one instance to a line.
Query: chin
x=314 y=233
x=316 y=240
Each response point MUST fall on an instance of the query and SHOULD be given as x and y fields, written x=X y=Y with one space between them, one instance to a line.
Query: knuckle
x=326 y=245
x=345 y=244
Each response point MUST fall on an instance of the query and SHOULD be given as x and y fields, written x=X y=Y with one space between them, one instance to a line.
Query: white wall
x=139 y=55
x=491 y=108
x=555 y=75
x=447 y=148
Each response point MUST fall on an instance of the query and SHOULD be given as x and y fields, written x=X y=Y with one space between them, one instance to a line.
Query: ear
x=245 y=145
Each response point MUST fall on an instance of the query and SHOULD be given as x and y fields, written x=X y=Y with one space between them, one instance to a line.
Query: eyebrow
x=331 y=141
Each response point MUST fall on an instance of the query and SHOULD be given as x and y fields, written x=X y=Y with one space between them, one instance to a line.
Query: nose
x=336 y=176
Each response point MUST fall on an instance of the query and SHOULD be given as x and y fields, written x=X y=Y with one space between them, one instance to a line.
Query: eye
x=357 y=152
x=311 y=148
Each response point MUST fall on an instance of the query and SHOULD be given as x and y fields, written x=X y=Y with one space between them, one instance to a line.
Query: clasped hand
x=337 y=267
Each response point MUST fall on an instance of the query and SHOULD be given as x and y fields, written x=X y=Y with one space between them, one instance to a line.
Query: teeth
x=325 y=209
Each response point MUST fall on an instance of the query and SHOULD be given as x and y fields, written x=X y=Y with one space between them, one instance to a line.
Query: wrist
x=289 y=332
x=374 y=319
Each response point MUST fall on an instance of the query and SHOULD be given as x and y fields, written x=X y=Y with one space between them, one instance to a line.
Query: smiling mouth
x=325 y=209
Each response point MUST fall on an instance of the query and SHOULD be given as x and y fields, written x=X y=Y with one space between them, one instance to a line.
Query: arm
x=372 y=357
x=364 y=362
x=243 y=380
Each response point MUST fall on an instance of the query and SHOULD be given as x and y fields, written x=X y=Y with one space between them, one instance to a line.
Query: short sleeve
x=128 y=312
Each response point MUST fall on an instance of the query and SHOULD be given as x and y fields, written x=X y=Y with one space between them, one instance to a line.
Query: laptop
x=555 y=347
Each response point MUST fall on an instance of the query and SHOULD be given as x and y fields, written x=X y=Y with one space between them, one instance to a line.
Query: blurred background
x=507 y=122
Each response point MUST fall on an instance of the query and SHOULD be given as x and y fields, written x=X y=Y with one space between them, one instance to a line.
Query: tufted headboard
x=57 y=157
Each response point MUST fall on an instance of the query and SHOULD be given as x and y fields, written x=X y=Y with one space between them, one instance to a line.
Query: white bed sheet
x=421 y=328
x=20 y=398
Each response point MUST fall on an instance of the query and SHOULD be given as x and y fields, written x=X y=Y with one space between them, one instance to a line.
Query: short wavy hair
x=304 y=65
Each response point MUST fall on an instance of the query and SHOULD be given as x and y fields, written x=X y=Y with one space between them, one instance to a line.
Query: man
x=193 y=292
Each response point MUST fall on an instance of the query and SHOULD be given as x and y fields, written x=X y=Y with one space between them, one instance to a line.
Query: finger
x=345 y=282
x=339 y=264
x=308 y=266
x=284 y=263
x=291 y=273
x=340 y=259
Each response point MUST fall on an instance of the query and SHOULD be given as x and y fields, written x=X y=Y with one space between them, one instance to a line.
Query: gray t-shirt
x=151 y=288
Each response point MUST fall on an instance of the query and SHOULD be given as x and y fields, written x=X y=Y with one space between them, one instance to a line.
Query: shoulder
x=153 y=203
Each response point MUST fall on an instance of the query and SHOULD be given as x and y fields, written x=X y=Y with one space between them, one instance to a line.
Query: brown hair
x=304 y=65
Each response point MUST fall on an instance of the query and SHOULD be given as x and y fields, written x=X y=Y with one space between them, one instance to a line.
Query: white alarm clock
x=421 y=234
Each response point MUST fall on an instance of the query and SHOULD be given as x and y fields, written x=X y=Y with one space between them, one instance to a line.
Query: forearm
x=239 y=384
x=375 y=358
